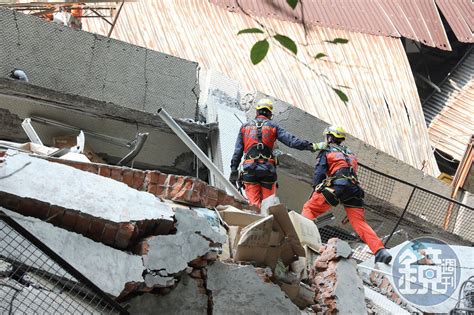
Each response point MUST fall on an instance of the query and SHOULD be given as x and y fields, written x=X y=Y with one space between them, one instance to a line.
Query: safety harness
x=342 y=176
x=345 y=174
x=259 y=151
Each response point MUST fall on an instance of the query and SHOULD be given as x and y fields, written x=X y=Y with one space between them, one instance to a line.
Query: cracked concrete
x=173 y=252
x=77 y=190
x=187 y=298
x=106 y=267
x=239 y=289
x=104 y=68
x=189 y=220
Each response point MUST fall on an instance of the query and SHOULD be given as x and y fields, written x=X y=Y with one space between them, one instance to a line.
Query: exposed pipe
x=196 y=150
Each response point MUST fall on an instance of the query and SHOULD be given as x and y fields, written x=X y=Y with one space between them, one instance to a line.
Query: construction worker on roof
x=335 y=181
x=255 y=141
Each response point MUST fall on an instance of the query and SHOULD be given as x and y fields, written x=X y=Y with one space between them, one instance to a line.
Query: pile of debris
x=159 y=241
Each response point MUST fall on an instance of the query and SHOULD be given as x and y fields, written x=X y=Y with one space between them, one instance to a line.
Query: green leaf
x=250 y=30
x=287 y=42
x=320 y=55
x=341 y=95
x=292 y=3
x=259 y=51
x=338 y=40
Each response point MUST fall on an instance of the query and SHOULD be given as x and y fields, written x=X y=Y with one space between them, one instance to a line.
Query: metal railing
x=398 y=210
x=35 y=280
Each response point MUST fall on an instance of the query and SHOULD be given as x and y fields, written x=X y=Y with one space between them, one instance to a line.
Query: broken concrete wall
x=81 y=201
x=182 y=189
x=239 y=289
x=220 y=103
x=335 y=278
x=106 y=267
x=81 y=63
x=189 y=297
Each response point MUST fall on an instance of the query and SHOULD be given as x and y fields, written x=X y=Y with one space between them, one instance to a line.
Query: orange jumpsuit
x=339 y=164
x=255 y=142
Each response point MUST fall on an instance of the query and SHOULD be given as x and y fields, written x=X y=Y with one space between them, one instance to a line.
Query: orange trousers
x=256 y=193
x=317 y=205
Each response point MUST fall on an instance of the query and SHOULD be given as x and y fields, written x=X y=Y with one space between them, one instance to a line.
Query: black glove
x=234 y=176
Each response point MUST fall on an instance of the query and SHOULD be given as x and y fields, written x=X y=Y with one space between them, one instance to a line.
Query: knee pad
x=330 y=197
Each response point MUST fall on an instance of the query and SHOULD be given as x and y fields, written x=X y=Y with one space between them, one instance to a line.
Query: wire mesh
x=31 y=281
x=420 y=213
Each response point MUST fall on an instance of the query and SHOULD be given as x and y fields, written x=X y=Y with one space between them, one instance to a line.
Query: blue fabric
x=321 y=168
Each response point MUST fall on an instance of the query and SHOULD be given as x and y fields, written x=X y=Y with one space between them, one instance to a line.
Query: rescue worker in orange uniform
x=335 y=181
x=255 y=141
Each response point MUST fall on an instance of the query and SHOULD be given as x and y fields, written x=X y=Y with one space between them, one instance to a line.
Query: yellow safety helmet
x=264 y=103
x=337 y=131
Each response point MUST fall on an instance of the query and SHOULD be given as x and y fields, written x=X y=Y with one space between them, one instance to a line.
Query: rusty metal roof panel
x=450 y=113
x=382 y=94
x=415 y=19
x=460 y=16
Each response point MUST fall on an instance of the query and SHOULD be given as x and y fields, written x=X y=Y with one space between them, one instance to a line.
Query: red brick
x=124 y=235
x=176 y=188
x=221 y=195
x=196 y=274
x=198 y=263
x=152 y=189
x=96 y=229
x=141 y=248
x=104 y=171
x=153 y=177
x=91 y=168
x=160 y=191
x=29 y=207
x=138 y=180
x=110 y=233
x=127 y=176
x=55 y=215
x=163 y=227
x=116 y=173
x=69 y=220
x=212 y=193
x=83 y=223
x=9 y=201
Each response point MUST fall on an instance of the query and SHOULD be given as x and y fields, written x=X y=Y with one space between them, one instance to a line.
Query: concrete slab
x=173 y=252
x=106 y=267
x=81 y=191
x=238 y=289
x=104 y=68
x=97 y=207
x=189 y=220
x=349 y=290
x=187 y=298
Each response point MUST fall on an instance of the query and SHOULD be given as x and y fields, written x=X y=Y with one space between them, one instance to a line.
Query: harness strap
x=259 y=150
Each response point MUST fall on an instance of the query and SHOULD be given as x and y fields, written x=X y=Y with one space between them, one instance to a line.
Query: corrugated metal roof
x=450 y=113
x=415 y=19
x=384 y=108
x=460 y=16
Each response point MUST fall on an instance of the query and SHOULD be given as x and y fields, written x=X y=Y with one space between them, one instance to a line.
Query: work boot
x=382 y=255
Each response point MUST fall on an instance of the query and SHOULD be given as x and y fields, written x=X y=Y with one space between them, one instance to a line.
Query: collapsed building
x=166 y=237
